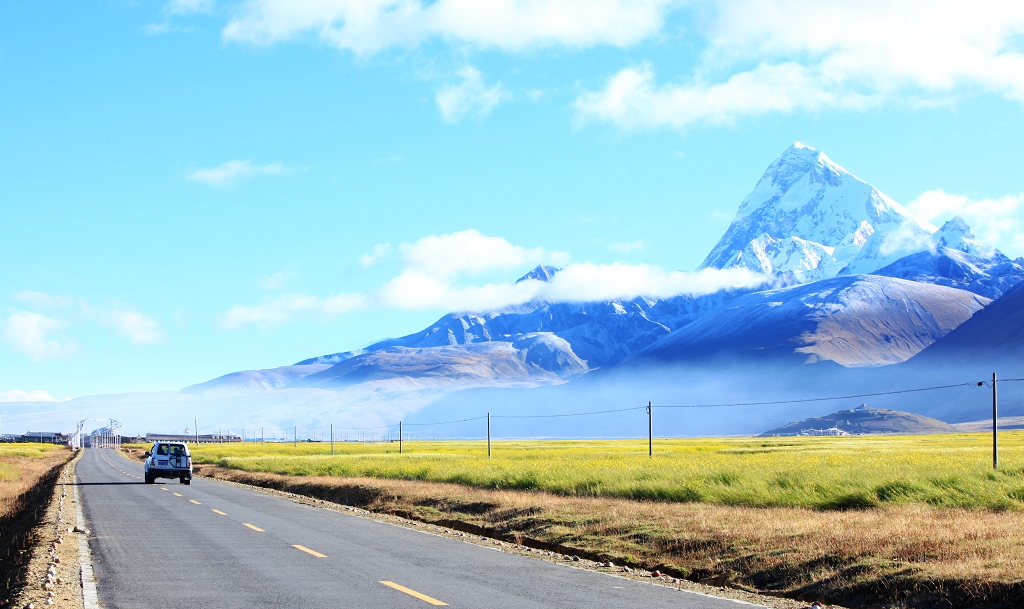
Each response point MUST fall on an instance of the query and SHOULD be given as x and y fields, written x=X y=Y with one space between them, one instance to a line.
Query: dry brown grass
x=25 y=474
x=914 y=556
x=23 y=494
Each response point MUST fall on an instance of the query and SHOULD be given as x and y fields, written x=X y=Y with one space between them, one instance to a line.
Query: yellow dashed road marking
x=164 y=488
x=253 y=527
x=218 y=512
x=177 y=494
x=194 y=501
x=308 y=551
x=413 y=593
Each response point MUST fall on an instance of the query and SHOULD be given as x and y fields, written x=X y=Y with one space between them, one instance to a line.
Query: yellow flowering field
x=35 y=451
x=953 y=470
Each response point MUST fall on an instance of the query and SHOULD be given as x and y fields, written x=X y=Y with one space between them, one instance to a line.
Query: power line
x=570 y=414
x=445 y=422
x=839 y=397
x=723 y=405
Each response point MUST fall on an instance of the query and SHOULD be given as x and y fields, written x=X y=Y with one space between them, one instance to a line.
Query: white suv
x=169 y=460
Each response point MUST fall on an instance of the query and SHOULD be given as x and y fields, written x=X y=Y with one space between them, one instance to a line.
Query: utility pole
x=195 y=421
x=650 y=430
x=295 y=437
x=399 y=437
x=995 y=424
x=263 y=438
x=488 y=435
x=332 y=439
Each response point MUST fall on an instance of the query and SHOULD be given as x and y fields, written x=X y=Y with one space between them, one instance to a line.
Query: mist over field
x=727 y=384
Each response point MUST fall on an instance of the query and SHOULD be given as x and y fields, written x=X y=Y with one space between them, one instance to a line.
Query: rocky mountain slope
x=534 y=357
x=995 y=333
x=854 y=320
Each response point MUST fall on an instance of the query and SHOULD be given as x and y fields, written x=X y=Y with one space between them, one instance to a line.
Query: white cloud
x=30 y=332
x=17 y=395
x=998 y=222
x=589 y=282
x=227 y=174
x=436 y=265
x=368 y=26
x=627 y=247
x=442 y=272
x=157 y=28
x=883 y=44
x=188 y=7
x=632 y=100
x=415 y=290
x=811 y=55
x=139 y=327
x=277 y=280
x=288 y=307
x=43 y=299
x=469 y=251
x=377 y=254
x=584 y=282
x=470 y=97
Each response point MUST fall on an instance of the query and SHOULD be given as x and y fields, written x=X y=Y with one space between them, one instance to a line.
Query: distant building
x=45 y=437
x=831 y=431
x=201 y=439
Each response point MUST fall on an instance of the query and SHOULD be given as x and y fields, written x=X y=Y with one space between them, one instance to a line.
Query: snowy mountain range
x=855 y=280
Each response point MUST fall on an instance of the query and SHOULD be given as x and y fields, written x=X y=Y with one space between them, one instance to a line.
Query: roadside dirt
x=52 y=575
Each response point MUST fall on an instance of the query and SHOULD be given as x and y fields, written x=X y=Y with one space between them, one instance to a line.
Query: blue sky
x=194 y=187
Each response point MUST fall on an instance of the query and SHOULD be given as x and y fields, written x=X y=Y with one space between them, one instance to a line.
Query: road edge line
x=90 y=599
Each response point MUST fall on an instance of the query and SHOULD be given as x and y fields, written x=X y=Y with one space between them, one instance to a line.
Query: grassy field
x=36 y=451
x=819 y=473
x=21 y=466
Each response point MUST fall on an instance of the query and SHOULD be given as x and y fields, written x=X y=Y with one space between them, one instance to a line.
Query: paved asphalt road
x=212 y=544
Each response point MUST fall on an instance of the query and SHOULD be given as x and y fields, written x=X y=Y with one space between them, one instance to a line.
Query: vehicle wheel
x=150 y=479
x=186 y=480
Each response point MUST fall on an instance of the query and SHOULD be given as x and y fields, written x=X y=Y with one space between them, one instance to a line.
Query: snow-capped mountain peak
x=540 y=273
x=810 y=216
x=956 y=234
x=792 y=166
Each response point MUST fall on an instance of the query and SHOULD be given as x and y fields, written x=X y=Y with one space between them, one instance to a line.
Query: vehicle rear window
x=161 y=450
x=177 y=450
